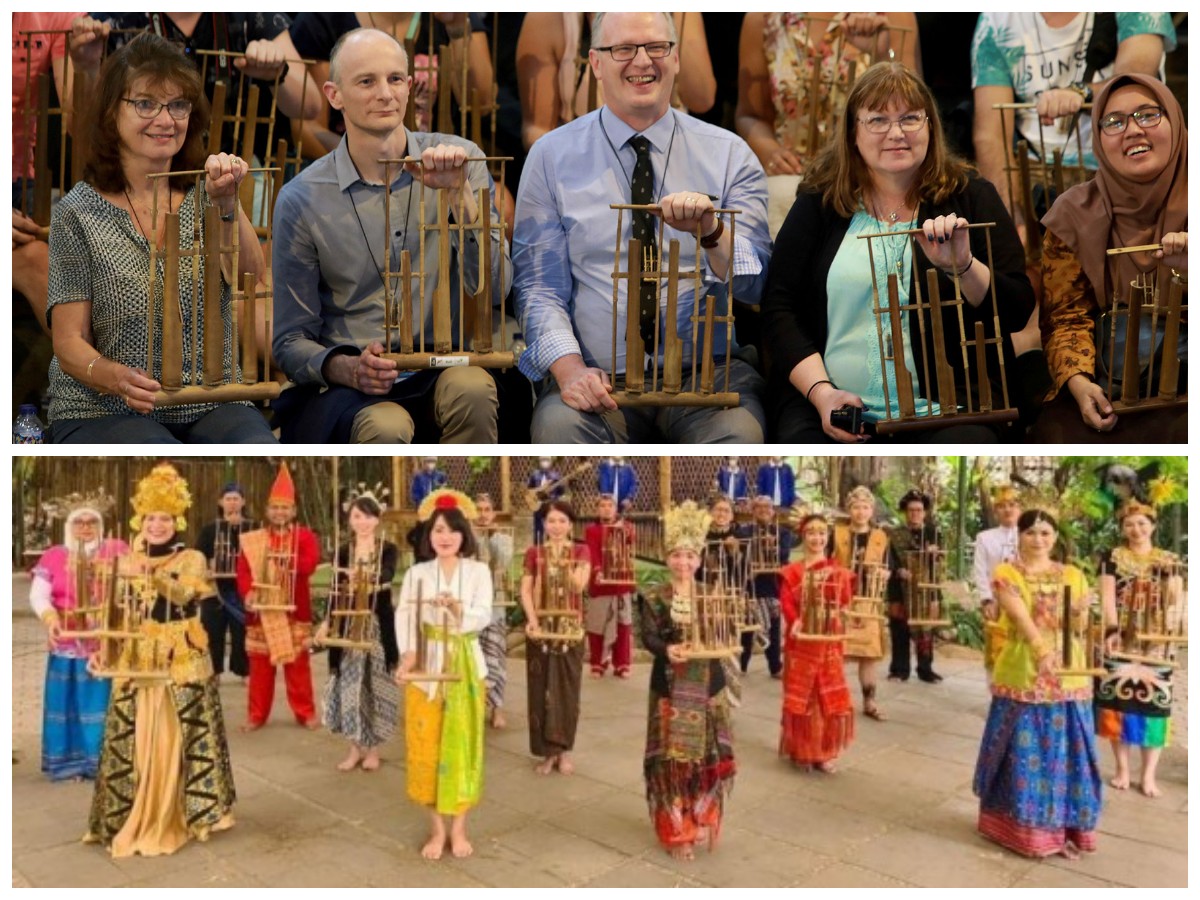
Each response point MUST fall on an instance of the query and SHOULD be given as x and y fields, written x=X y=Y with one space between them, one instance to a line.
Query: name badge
x=446 y=362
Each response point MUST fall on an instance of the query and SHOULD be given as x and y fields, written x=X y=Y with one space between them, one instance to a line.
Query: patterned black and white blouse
x=97 y=254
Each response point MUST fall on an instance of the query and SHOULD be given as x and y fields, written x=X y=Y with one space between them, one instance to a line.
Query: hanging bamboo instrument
x=661 y=386
x=558 y=599
x=422 y=633
x=907 y=409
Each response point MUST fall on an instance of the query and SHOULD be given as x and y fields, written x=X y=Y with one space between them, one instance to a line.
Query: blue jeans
x=229 y=423
x=556 y=423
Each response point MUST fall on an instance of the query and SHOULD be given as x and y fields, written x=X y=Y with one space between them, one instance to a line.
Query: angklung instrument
x=1149 y=372
x=246 y=376
x=1152 y=616
x=504 y=582
x=945 y=402
x=127 y=650
x=726 y=573
x=820 y=614
x=557 y=598
x=764 y=550
x=1079 y=638
x=923 y=589
x=422 y=633
x=352 y=599
x=712 y=626
x=659 y=387
x=471 y=344
x=616 y=566
x=870 y=586
x=1035 y=178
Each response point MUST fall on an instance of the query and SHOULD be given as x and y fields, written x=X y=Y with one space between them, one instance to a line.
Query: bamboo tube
x=635 y=347
x=217 y=124
x=246 y=189
x=483 y=297
x=1168 y=379
x=1131 y=369
x=445 y=123
x=249 y=331
x=904 y=384
x=673 y=344
x=706 y=362
x=404 y=306
x=1033 y=237
x=1141 y=248
x=947 y=394
x=442 y=336
x=985 y=384
x=172 y=318
x=41 y=158
x=214 y=322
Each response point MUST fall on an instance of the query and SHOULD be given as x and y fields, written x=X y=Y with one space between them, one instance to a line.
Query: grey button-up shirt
x=328 y=257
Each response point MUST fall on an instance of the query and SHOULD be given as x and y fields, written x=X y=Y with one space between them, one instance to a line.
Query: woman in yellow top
x=164 y=771
x=1038 y=778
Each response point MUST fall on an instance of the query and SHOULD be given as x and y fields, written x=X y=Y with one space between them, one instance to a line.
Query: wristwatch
x=1083 y=90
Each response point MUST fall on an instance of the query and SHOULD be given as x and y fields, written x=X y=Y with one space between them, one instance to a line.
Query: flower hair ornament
x=447 y=498
x=379 y=493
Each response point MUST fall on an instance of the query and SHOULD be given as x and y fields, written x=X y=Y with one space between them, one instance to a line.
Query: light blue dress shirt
x=565 y=234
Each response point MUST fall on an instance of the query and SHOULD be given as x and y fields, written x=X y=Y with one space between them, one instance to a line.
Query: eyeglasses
x=909 y=122
x=148 y=109
x=626 y=52
x=1146 y=117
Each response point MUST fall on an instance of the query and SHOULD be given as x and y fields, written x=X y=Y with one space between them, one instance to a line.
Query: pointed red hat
x=284 y=489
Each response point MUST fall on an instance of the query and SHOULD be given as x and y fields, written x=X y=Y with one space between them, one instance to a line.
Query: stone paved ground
x=899 y=813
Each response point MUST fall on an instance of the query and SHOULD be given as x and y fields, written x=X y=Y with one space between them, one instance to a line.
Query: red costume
x=284 y=559
x=608 y=605
x=818 y=718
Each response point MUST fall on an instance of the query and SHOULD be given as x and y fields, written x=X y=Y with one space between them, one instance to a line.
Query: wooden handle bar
x=654 y=207
x=907 y=231
x=205 y=172
x=416 y=160
x=1142 y=248
x=1028 y=106
x=241 y=55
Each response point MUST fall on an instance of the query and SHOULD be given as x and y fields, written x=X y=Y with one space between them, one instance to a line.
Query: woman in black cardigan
x=887 y=169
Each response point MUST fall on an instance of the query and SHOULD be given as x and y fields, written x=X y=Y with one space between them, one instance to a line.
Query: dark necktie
x=644 y=230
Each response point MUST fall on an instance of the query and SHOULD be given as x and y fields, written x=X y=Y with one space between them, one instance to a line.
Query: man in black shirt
x=219 y=541
x=915 y=534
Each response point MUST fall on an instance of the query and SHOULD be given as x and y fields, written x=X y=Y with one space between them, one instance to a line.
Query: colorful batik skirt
x=818 y=715
x=361 y=699
x=1133 y=703
x=688 y=765
x=73 y=712
x=1038 y=777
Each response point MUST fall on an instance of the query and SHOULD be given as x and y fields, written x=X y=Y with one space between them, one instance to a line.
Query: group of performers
x=132 y=700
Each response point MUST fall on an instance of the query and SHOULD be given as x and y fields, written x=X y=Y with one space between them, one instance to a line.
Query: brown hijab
x=1114 y=211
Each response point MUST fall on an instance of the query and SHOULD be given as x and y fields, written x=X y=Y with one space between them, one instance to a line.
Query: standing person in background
x=992 y=547
x=609 y=609
x=496 y=548
x=544 y=483
x=220 y=541
x=428 y=479
x=615 y=477
x=274 y=568
x=774 y=546
x=731 y=481
x=859 y=546
x=777 y=481
x=914 y=535
x=74 y=702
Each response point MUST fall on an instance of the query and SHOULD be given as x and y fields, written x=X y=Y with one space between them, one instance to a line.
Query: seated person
x=1138 y=197
x=328 y=267
x=1077 y=49
x=563 y=243
x=148 y=115
x=554 y=90
x=777 y=54
x=888 y=170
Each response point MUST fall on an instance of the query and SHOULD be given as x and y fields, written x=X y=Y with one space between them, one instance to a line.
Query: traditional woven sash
x=688 y=730
x=460 y=763
x=276 y=624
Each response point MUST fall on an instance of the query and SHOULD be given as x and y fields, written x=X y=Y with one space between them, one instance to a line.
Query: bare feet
x=371 y=762
x=1069 y=851
x=311 y=724
x=623 y=673
x=498 y=720
x=828 y=767
x=546 y=766
x=434 y=846
x=597 y=673
x=682 y=852
x=251 y=726
x=565 y=766
x=459 y=845
x=1150 y=788
x=1120 y=781
x=353 y=758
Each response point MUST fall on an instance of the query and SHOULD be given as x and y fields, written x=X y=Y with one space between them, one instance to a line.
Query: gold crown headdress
x=447 y=498
x=685 y=527
x=1005 y=493
x=1135 y=507
x=163 y=490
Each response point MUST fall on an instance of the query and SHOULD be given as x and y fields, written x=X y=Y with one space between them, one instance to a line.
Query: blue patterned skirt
x=72 y=718
x=1038 y=777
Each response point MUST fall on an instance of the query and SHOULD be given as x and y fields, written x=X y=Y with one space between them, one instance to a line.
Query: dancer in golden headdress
x=689 y=765
x=164 y=772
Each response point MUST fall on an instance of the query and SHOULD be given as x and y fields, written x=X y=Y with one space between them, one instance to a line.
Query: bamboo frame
x=216 y=383
x=715 y=628
x=421 y=673
x=125 y=652
x=616 y=568
x=277 y=568
x=916 y=413
x=764 y=549
x=1025 y=172
x=923 y=590
x=663 y=387
x=1080 y=626
x=1144 y=304
x=470 y=344
x=557 y=600
x=870 y=586
x=727 y=571
x=819 y=616
x=1152 y=621
x=351 y=600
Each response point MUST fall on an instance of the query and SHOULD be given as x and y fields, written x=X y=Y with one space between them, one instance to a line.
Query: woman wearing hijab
x=1139 y=196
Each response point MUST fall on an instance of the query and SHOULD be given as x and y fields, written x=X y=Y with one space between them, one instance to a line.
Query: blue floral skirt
x=1038 y=777
x=73 y=712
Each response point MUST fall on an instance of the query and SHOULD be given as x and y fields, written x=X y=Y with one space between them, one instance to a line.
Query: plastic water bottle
x=27 y=429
